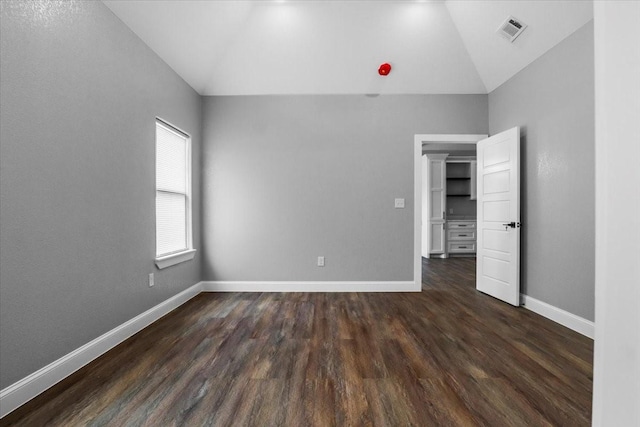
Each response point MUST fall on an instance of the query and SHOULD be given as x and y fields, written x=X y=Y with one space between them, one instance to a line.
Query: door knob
x=512 y=224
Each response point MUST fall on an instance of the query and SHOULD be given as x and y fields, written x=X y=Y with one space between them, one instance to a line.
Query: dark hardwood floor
x=447 y=356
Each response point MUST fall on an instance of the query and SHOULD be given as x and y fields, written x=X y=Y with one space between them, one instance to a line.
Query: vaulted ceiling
x=335 y=47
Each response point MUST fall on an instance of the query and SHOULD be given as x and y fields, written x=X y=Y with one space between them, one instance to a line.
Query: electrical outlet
x=151 y=280
x=399 y=204
x=450 y=211
x=320 y=261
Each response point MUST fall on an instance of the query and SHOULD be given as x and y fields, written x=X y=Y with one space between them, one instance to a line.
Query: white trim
x=173 y=259
x=558 y=315
x=616 y=357
x=293 y=286
x=172 y=128
x=451 y=138
x=418 y=140
x=425 y=232
x=29 y=387
x=417 y=213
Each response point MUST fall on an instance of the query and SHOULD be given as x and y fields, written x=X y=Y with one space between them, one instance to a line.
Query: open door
x=498 y=249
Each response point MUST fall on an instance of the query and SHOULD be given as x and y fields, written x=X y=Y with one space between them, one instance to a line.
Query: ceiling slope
x=335 y=47
x=305 y=47
x=496 y=59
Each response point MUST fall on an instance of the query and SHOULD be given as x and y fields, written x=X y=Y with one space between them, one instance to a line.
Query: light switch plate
x=399 y=204
x=320 y=261
x=151 y=280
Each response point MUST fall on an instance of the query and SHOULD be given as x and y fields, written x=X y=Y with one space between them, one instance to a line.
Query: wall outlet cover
x=320 y=261
x=151 y=280
x=399 y=204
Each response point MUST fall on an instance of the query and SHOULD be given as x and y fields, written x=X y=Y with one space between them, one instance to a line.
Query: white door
x=498 y=252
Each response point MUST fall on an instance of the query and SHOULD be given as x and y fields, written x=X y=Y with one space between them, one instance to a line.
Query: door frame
x=418 y=141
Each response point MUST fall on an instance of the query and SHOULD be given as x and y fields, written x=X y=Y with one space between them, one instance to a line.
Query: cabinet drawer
x=462 y=234
x=462 y=247
x=461 y=224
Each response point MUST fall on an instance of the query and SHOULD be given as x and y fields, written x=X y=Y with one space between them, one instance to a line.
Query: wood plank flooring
x=448 y=356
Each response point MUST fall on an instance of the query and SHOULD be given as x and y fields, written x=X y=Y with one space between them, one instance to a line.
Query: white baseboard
x=292 y=286
x=29 y=387
x=571 y=321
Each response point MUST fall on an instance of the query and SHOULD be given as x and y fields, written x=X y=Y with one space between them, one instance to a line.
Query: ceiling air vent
x=511 y=28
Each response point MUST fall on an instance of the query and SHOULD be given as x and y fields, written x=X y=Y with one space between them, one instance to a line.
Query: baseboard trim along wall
x=29 y=387
x=292 y=286
x=558 y=315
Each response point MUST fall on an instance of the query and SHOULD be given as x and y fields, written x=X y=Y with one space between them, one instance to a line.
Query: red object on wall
x=384 y=69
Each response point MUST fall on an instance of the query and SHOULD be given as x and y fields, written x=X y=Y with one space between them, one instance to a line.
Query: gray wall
x=289 y=178
x=79 y=93
x=553 y=101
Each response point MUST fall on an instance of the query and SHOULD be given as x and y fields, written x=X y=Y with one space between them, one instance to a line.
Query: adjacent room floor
x=446 y=356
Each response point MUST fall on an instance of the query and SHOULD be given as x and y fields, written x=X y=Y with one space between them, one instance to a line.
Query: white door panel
x=497 y=269
x=496 y=240
x=496 y=211
x=498 y=198
x=495 y=155
x=496 y=182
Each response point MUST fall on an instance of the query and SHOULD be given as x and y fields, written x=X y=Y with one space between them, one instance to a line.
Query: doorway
x=497 y=225
x=458 y=143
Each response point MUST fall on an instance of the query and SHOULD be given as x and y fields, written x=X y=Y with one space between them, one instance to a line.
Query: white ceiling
x=335 y=47
x=549 y=22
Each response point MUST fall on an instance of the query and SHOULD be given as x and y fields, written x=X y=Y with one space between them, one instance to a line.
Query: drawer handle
x=462 y=235
x=462 y=225
x=462 y=247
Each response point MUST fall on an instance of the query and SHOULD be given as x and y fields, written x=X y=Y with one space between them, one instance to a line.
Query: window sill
x=173 y=259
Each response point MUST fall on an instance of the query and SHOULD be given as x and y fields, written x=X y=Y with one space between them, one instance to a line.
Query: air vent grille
x=511 y=28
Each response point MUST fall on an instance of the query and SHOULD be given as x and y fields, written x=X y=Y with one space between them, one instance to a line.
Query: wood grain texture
x=448 y=356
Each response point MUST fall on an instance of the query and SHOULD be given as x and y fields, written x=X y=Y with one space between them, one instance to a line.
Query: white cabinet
x=437 y=199
x=462 y=248
x=459 y=234
x=449 y=183
x=437 y=182
x=461 y=237
x=437 y=237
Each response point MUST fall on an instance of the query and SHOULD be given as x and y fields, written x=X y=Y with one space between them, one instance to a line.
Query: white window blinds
x=172 y=191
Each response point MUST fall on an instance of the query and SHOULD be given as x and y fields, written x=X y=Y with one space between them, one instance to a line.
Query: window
x=173 y=196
